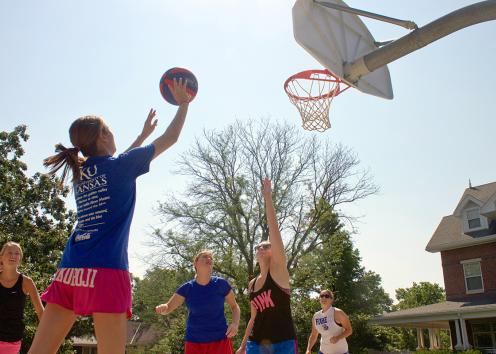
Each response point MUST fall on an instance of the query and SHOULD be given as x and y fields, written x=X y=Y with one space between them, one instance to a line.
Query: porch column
x=452 y=346
x=437 y=336
x=466 y=344
x=433 y=339
x=420 y=339
x=459 y=343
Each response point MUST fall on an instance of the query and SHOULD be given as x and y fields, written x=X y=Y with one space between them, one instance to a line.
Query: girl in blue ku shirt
x=93 y=276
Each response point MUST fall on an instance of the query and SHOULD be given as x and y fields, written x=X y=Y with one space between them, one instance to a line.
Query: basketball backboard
x=336 y=38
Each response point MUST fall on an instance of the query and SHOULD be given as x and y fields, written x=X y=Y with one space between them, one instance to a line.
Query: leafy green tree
x=423 y=293
x=156 y=288
x=335 y=264
x=32 y=209
x=33 y=213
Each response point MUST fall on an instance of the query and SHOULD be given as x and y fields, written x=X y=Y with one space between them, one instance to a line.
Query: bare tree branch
x=222 y=207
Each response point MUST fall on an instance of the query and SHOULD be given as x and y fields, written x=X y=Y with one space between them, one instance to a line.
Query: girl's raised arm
x=171 y=135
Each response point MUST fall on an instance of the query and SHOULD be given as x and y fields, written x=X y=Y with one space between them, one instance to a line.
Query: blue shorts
x=285 y=347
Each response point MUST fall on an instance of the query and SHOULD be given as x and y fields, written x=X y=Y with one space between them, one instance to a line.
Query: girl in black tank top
x=270 y=328
x=14 y=287
x=12 y=302
x=273 y=322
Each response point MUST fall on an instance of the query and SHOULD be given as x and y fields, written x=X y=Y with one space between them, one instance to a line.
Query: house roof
x=137 y=334
x=449 y=233
x=438 y=315
x=482 y=192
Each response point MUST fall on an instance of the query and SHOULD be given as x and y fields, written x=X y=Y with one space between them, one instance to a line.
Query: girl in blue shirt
x=207 y=331
x=93 y=277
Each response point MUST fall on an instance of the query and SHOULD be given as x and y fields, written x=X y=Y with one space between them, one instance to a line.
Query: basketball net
x=312 y=92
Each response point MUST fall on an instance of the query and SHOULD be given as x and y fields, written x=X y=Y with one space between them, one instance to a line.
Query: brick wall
x=454 y=281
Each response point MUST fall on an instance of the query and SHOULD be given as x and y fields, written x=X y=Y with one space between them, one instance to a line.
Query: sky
x=64 y=59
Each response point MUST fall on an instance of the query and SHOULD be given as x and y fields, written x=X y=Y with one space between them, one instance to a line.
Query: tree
x=335 y=265
x=155 y=288
x=421 y=294
x=32 y=213
x=32 y=209
x=222 y=207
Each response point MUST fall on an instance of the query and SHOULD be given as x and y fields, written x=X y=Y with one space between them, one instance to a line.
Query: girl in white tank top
x=333 y=326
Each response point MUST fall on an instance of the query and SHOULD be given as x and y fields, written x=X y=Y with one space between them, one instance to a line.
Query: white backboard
x=335 y=38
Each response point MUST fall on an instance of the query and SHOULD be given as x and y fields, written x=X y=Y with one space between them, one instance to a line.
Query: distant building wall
x=454 y=280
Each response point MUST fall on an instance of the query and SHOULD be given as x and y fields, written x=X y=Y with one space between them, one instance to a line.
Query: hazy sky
x=63 y=59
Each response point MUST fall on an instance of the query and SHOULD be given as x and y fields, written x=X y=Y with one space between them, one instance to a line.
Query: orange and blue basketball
x=177 y=73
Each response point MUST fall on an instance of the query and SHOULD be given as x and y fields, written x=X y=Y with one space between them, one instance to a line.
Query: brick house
x=466 y=241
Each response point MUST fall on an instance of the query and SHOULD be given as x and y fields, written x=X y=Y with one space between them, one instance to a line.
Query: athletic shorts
x=88 y=290
x=223 y=346
x=285 y=347
x=10 y=347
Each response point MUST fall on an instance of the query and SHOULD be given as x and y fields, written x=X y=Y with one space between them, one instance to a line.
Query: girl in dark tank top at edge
x=14 y=287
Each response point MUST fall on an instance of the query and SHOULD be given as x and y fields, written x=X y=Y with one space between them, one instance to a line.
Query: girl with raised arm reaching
x=93 y=277
x=270 y=328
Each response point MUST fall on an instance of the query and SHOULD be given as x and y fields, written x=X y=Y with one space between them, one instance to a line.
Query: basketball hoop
x=312 y=91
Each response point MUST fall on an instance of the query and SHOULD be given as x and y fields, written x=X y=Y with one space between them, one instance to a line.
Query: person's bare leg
x=55 y=323
x=111 y=332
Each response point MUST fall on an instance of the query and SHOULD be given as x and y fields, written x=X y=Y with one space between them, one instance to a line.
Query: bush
x=447 y=351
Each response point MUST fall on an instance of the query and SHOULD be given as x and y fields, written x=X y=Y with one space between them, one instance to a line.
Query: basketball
x=177 y=73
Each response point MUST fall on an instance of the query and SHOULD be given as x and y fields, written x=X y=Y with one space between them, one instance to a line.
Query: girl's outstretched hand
x=179 y=92
x=266 y=188
x=162 y=309
x=232 y=330
x=150 y=124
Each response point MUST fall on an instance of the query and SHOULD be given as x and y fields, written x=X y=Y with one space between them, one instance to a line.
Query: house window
x=473 y=277
x=473 y=218
x=484 y=334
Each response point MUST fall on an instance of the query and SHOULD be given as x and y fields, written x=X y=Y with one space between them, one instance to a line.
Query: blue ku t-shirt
x=105 y=198
x=206 y=321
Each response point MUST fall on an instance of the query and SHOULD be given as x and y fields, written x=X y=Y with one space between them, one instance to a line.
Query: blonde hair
x=201 y=253
x=9 y=244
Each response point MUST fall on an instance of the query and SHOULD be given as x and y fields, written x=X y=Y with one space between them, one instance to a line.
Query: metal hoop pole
x=403 y=23
x=437 y=29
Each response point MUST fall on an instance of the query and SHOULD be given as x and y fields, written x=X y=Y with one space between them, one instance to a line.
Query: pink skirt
x=88 y=290
x=10 y=347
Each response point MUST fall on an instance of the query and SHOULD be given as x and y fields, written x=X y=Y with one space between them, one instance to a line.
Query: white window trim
x=483 y=220
x=473 y=260
x=468 y=261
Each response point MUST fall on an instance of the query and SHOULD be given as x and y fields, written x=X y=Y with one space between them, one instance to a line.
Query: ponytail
x=84 y=133
x=65 y=158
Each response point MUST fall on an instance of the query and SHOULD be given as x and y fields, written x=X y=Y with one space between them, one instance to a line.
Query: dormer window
x=473 y=218
x=473 y=276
